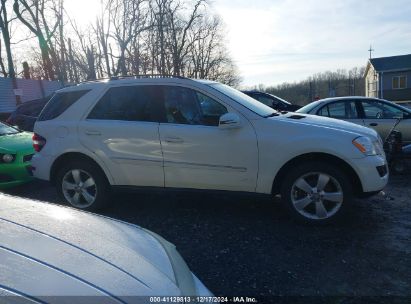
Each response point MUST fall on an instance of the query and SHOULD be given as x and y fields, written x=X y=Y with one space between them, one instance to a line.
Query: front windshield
x=6 y=130
x=243 y=99
x=309 y=107
x=280 y=99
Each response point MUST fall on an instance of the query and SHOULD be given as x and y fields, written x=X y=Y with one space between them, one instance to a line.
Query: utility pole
x=329 y=88
x=311 y=92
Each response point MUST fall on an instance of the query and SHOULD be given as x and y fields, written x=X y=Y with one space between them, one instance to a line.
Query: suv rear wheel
x=83 y=185
x=316 y=192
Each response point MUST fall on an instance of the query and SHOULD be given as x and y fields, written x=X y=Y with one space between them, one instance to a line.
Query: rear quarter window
x=60 y=103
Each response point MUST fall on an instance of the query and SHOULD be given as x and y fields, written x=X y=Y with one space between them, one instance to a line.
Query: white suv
x=172 y=132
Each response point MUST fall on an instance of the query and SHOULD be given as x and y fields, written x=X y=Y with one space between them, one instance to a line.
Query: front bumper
x=369 y=170
x=15 y=174
x=188 y=283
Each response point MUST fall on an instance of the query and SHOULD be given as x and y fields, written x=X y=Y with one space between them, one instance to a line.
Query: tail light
x=38 y=142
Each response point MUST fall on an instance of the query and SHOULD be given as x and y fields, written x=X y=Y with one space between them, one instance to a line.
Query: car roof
x=77 y=252
x=326 y=100
x=35 y=102
x=349 y=98
x=263 y=93
x=253 y=92
x=315 y=104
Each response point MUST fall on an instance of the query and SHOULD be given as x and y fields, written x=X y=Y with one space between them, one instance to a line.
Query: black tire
x=398 y=167
x=101 y=188
x=302 y=170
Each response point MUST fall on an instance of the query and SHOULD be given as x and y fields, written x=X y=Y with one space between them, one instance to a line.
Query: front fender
x=277 y=149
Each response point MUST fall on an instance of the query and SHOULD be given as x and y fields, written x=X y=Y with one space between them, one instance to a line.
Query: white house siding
x=370 y=78
x=51 y=86
x=7 y=98
x=31 y=90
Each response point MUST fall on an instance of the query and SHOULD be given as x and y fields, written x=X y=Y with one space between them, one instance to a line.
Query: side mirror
x=230 y=121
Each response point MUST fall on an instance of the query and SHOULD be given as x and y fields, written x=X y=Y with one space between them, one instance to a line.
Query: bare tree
x=179 y=31
x=2 y=66
x=59 y=12
x=129 y=20
x=5 y=30
x=177 y=37
x=32 y=13
x=102 y=30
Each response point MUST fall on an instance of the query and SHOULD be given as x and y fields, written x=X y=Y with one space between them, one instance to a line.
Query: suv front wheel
x=316 y=192
x=83 y=185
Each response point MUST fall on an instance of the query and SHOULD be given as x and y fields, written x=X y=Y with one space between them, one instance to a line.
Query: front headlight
x=366 y=146
x=7 y=158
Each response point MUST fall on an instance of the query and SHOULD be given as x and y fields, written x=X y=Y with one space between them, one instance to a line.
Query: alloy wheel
x=317 y=195
x=79 y=188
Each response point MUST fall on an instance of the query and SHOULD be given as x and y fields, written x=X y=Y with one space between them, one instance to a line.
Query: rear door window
x=60 y=103
x=131 y=103
x=381 y=110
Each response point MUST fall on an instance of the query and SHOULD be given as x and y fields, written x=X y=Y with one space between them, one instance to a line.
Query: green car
x=16 y=152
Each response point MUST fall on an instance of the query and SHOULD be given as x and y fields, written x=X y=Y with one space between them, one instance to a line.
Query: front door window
x=340 y=110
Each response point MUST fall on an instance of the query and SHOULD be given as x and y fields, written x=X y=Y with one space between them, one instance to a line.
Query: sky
x=276 y=41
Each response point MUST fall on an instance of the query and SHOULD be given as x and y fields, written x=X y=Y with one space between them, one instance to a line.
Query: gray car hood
x=48 y=250
x=331 y=123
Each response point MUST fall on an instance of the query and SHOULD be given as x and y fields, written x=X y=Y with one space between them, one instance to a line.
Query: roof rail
x=142 y=76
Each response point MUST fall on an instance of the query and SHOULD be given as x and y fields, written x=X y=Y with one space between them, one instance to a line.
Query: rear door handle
x=175 y=140
x=373 y=124
x=93 y=133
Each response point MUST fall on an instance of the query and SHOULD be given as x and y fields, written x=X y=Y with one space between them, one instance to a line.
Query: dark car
x=272 y=101
x=26 y=114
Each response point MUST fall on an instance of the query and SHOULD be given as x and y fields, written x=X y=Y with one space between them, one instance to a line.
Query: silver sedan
x=378 y=114
x=53 y=254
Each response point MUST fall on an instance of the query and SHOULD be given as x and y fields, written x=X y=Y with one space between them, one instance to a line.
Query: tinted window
x=132 y=103
x=211 y=110
x=340 y=110
x=267 y=101
x=380 y=110
x=186 y=106
x=245 y=100
x=308 y=108
x=60 y=103
x=32 y=108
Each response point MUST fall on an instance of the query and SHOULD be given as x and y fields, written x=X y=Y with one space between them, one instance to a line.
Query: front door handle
x=174 y=140
x=93 y=133
x=373 y=124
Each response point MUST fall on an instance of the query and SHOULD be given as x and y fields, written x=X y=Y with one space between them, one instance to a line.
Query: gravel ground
x=247 y=245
